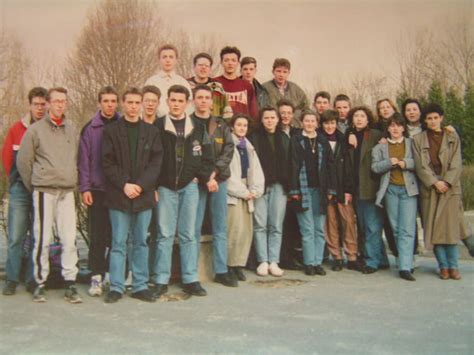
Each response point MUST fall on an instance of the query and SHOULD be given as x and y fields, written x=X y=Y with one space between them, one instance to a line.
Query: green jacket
x=292 y=92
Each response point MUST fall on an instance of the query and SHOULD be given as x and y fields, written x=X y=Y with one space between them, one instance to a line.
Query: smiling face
x=309 y=122
x=395 y=130
x=412 y=113
x=385 y=110
x=150 y=104
x=330 y=126
x=202 y=69
x=240 y=127
x=286 y=114
x=270 y=121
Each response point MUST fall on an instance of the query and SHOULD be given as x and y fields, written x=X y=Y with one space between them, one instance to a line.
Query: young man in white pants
x=47 y=165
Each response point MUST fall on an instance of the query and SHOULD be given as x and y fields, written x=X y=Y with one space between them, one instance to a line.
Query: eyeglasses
x=59 y=102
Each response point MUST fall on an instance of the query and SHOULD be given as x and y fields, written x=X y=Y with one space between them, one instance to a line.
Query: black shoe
x=368 y=270
x=144 y=295
x=354 y=265
x=337 y=265
x=159 y=289
x=239 y=273
x=319 y=270
x=412 y=271
x=10 y=288
x=406 y=275
x=112 y=297
x=31 y=286
x=226 y=279
x=194 y=289
x=309 y=270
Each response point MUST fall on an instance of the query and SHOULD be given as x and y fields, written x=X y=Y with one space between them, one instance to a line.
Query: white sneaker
x=96 y=286
x=275 y=270
x=262 y=269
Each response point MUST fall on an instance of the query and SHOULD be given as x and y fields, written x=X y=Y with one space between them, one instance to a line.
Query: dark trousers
x=100 y=234
x=291 y=256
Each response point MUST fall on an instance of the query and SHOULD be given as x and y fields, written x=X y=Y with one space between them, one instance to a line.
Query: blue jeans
x=370 y=219
x=19 y=223
x=447 y=255
x=218 y=209
x=177 y=213
x=268 y=224
x=401 y=211
x=137 y=224
x=312 y=222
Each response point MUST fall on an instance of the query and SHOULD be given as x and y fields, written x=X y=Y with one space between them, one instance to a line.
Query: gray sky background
x=326 y=41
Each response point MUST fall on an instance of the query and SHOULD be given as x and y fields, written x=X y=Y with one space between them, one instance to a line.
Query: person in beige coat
x=246 y=183
x=438 y=164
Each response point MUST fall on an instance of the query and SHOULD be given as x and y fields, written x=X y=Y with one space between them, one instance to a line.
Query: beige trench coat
x=439 y=212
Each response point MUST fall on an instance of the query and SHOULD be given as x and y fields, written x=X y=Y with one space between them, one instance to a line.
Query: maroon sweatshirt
x=240 y=96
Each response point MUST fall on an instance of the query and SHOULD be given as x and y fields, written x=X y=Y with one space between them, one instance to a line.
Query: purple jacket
x=89 y=159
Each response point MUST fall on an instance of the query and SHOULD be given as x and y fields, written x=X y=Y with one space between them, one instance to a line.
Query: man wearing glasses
x=47 y=165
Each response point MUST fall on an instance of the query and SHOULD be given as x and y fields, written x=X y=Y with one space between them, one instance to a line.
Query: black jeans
x=100 y=234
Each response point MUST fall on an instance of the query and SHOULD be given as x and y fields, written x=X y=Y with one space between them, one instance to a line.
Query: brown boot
x=454 y=274
x=443 y=274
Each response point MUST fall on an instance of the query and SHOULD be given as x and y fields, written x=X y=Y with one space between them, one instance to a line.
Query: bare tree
x=13 y=66
x=117 y=47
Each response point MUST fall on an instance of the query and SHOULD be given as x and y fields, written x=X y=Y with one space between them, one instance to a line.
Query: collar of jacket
x=188 y=125
x=26 y=120
x=97 y=120
x=163 y=74
x=392 y=141
x=285 y=88
x=449 y=136
x=48 y=118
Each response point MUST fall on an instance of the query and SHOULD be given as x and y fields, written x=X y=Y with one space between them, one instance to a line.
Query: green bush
x=468 y=187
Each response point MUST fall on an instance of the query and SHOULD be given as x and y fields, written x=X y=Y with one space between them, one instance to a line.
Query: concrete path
x=341 y=313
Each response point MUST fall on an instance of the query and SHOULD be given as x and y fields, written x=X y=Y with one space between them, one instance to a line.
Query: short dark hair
x=237 y=116
x=132 y=90
x=281 y=62
x=266 y=109
x=60 y=89
x=342 y=97
x=432 y=108
x=153 y=89
x=323 y=94
x=309 y=112
x=410 y=101
x=37 y=92
x=398 y=119
x=366 y=110
x=286 y=102
x=168 y=47
x=202 y=55
x=106 y=90
x=248 y=60
x=179 y=89
x=230 y=50
x=329 y=115
x=201 y=87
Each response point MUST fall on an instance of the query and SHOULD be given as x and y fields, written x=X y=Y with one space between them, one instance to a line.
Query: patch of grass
x=467 y=179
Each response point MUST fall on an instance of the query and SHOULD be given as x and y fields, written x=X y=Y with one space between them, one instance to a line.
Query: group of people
x=269 y=170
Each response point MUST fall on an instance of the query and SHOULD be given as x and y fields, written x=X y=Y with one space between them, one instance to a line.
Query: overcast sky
x=325 y=41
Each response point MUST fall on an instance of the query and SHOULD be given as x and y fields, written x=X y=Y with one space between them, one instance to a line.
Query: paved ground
x=341 y=313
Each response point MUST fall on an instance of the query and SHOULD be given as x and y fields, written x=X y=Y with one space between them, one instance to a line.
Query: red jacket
x=11 y=146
